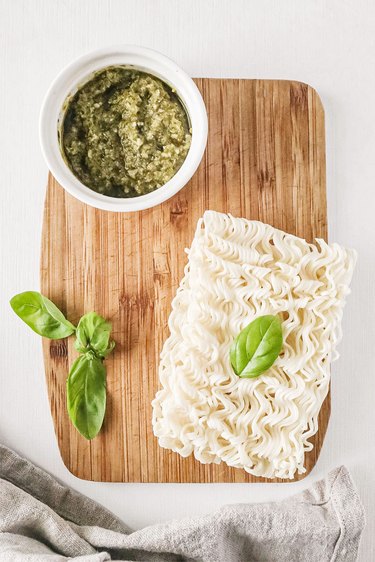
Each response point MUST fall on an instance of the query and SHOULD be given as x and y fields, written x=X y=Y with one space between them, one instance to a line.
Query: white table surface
x=330 y=45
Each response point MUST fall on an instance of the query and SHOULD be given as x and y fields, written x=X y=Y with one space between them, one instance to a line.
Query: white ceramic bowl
x=78 y=73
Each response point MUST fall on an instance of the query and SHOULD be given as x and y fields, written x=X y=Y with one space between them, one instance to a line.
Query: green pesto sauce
x=124 y=133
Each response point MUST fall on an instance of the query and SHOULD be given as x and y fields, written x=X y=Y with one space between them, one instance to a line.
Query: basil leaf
x=93 y=333
x=41 y=315
x=86 y=394
x=257 y=347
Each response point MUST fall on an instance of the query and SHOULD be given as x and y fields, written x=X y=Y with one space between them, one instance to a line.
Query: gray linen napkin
x=42 y=520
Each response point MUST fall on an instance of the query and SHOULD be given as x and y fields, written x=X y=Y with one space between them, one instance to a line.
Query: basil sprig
x=86 y=382
x=257 y=347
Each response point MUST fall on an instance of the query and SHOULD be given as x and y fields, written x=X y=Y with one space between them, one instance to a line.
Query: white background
x=330 y=45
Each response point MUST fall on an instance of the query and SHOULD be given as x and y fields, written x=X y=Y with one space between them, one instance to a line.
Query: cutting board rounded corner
x=317 y=97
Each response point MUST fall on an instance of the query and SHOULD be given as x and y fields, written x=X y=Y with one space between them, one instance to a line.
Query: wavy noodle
x=237 y=270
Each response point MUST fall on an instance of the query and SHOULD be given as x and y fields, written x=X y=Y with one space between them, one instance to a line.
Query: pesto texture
x=124 y=133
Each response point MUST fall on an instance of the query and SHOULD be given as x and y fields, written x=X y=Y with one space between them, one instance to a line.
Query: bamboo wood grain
x=265 y=160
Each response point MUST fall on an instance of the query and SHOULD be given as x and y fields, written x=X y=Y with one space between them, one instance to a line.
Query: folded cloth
x=43 y=520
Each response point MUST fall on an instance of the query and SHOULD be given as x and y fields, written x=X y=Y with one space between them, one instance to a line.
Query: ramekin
x=77 y=73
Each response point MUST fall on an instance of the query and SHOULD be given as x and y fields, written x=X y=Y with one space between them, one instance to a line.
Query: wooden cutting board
x=265 y=160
